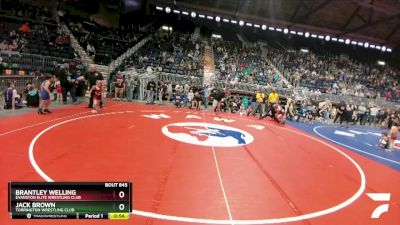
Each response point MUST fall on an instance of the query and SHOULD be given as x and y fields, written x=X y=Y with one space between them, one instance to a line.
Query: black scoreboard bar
x=70 y=200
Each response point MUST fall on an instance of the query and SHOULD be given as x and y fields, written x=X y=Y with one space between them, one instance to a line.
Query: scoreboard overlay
x=69 y=200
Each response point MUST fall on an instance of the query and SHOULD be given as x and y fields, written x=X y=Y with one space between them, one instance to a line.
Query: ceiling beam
x=258 y=7
x=376 y=22
x=296 y=10
x=314 y=10
x=386 y=9
x=355 y=12
x=392 y=32
x=371 y=12
x=229 y=14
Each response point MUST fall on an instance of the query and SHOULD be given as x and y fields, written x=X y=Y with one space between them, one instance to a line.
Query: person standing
x=258 y=104
x=273 y=98
x=394 y=132
x=162 y=88
x=129 y=82
x=136 y=87
x=67 y=84
x=361 y=113
x=151 y=89
x=45 y=94
x=373 y=115
x=92 y=77
x=347 y=115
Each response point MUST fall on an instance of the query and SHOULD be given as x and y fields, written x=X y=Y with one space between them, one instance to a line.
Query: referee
x=273 y=98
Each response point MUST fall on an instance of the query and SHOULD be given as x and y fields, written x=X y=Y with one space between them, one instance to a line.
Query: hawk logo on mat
x=207 y=134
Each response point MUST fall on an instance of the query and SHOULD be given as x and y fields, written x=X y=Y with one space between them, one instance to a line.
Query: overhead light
x=264 y=27
x=166 y=28
x=193 y=14
x=293 y=32
x=321 y=36
x=217 y=18
x=304 y=50
x=306 y=34
x=202 y=16
x=241 y=23
x=372 y=46
x=278 y=29
x=249 y=24
x=225 y=20
x=347 y=41
x=216 y=36
x=167 y=9
x=341 y=40
x=159 y=8
x=300 y=33
x=285 y=31
x=381 y=63
x=360 y=44
x=271 y=28
x=210 y=17
x=234 y=21
x=353 y=42
x=378 y=47
x=334 y=39
x=256 y=26
x=185 y=13
x=366 y=45
x=389 y=50
x=313 y=35
x=176 y=11
x=327 y=38
x=383 y=48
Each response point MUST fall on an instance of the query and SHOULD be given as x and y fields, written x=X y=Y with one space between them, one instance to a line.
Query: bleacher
x=237 y=63
x=172 y=53
x=106 y=43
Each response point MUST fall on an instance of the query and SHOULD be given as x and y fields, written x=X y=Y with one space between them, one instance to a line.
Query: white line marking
x=368 y=144
x=222 y=185
x=356 y=132
x=355 y=149
x=237 y=222
x=48 y=121
x=347 y=134
x=220 y=178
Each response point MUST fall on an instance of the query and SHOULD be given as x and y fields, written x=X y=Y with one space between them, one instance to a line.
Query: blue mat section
x=359 y=139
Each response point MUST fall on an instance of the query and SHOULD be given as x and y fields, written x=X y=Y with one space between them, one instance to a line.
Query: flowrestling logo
x=207 y=134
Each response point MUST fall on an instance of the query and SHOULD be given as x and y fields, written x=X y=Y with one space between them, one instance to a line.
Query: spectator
x=150 y=91
x=129 y=82
x=12 y=98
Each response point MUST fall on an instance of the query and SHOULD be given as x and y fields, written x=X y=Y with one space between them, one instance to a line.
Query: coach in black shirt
x=67 y=83
x=92 y=77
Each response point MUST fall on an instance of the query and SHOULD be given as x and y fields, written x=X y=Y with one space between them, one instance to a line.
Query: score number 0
x=121 y=194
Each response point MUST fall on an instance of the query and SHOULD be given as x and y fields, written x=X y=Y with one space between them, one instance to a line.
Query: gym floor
x=191 y=166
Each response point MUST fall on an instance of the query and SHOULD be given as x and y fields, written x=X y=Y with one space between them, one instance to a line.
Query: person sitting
x=31 y=95
x=12 y=98
x=178 y=99
x=384 y=141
